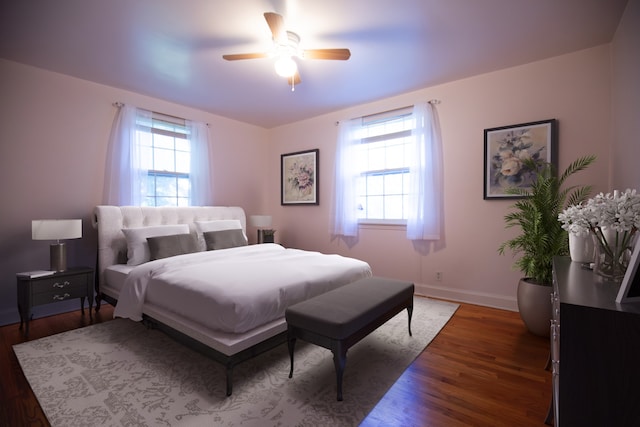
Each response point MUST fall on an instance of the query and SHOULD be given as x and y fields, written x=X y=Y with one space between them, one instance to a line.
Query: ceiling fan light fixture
x=285 y=66
x=285 y=47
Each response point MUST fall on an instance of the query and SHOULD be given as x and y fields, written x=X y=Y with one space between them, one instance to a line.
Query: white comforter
x=238 y=289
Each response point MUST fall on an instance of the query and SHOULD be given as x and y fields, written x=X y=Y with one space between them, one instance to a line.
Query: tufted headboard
x=110 y=220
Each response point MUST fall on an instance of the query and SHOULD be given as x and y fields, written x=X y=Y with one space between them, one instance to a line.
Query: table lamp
x=262 y=223
x=57 y=229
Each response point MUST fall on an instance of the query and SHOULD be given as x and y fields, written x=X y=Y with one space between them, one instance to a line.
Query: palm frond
x=536 y=214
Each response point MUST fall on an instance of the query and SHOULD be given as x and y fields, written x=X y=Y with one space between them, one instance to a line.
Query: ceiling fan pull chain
x=293 y=85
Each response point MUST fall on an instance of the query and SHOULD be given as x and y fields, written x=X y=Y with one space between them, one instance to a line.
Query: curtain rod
x=119 y=104
x=431 y=101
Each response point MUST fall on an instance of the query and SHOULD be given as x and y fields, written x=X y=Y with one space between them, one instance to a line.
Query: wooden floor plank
x=483 y=369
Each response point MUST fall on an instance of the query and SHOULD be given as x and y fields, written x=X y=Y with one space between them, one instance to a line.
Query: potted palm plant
x=542 y=236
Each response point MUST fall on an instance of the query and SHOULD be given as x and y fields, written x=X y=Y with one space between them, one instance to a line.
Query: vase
x=581 y=247
x=613 y=251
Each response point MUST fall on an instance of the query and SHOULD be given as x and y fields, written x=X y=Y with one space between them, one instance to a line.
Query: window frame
x=161 y=124
x=369 y=121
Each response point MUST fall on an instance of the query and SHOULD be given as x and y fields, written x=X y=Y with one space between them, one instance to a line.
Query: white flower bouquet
x=613 y=221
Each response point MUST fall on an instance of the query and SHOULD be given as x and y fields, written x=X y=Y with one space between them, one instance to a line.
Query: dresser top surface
x=581 y=286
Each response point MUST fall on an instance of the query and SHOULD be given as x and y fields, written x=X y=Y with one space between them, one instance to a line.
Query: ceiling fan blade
x=340 y=54
x=235 y=57
x=276 y=25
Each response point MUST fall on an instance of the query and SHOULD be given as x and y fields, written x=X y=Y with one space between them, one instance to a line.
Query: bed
x=190 y=272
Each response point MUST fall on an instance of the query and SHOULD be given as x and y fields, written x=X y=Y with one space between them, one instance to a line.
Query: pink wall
x=626 y=99
x=53 y=141
x=54 y=131
x=572 y=88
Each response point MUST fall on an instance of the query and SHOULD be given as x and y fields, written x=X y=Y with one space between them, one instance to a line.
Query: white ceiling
x=172 y=49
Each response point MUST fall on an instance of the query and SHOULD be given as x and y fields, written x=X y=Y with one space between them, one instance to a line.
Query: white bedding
x=235 y=290
x=116 y=275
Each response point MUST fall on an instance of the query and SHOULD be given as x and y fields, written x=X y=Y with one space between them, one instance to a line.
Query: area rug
x=119 y=373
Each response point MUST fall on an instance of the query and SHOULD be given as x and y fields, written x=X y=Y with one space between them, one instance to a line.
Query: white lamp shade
x=56 y=229
x=260 y=221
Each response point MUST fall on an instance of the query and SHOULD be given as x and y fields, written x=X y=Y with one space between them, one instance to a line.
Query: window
x=165 y=155
x=383 y=155
x=389 y=170
x=157 y=160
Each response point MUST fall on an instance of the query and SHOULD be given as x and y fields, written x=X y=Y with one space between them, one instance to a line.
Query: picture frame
x=504 y=149
x=299 y=178
x=630 y=287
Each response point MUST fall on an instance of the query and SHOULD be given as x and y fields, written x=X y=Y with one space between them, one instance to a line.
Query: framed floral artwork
x=299 y=178
x=506 y=148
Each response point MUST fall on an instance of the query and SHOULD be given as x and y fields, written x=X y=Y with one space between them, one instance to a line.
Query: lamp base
x=265 y=238
x=58 y=257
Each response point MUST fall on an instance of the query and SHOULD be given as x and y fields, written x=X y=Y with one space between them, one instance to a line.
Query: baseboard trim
x=9 y=316
x=461 y=295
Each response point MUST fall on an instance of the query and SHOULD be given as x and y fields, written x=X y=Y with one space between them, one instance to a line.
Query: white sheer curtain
x=345 y=211
x=126 y=168
x=199 y=175
x=426 y=180
x=125 y=175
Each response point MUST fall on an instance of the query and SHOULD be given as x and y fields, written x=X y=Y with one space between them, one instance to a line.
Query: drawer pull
x=61 y=285
x=61 y=297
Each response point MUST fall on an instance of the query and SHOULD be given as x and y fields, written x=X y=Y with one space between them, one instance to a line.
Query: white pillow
x=216 y=225
x=137 y=246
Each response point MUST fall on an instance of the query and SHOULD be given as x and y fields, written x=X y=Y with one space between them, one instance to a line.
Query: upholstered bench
x=338 y=319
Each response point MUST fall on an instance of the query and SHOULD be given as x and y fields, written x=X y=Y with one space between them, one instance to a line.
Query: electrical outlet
x=439 y=276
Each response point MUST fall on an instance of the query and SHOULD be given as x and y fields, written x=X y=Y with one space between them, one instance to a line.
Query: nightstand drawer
x=59 y=295
x=59 y=285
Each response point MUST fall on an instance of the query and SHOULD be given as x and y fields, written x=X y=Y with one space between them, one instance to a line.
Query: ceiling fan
x=286 y=46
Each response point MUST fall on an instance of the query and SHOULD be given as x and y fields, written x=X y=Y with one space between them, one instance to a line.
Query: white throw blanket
x=235 y=290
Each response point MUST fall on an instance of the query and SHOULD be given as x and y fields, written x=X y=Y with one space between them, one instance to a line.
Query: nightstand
x=69 y=284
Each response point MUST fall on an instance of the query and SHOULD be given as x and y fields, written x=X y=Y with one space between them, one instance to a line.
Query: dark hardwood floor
x=483 y=369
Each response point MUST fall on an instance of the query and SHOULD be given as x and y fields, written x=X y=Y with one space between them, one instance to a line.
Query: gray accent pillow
x=224 y=239
x=172 y=245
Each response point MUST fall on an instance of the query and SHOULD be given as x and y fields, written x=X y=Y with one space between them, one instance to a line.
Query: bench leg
x=229 y=379
x=339 y=361
x=291 y=343
x=410 y=312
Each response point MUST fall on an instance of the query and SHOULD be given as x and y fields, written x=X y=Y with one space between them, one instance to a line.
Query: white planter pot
x=581 y=248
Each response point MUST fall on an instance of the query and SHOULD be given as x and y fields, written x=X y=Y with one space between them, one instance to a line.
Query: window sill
x=382 y=225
